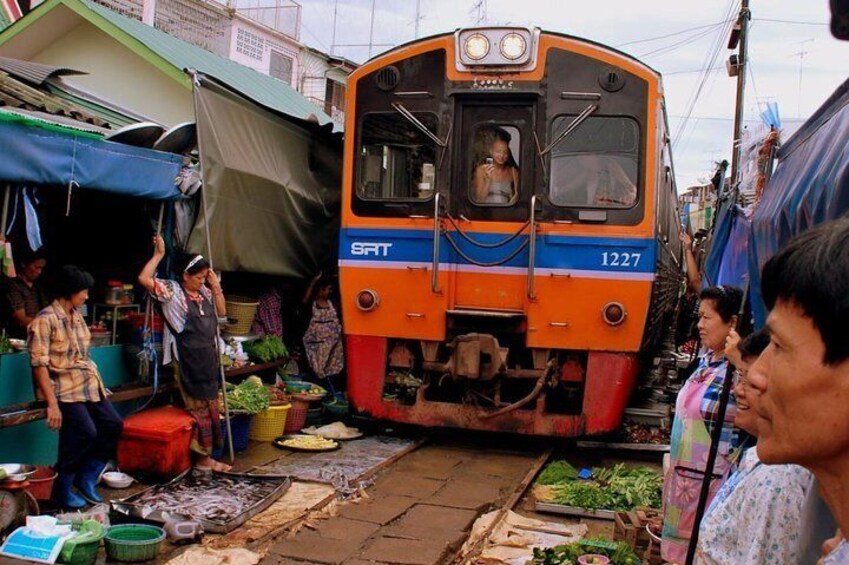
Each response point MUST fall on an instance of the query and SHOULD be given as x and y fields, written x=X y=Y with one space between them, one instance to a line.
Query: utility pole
x=335 y=14
x=801 y=54
x=371 y=29
x=742 y=64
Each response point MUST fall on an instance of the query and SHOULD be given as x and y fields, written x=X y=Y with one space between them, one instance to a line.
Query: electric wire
x=668 y=35
x=678 y=44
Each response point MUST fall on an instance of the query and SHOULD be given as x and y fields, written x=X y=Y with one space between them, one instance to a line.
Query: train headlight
x=513 y=46
x=367 y=300
x=477 y=47
x=614 y=313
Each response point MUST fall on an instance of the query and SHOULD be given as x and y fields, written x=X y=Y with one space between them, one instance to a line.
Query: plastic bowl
x=133 y=543
x=297 y=386
x=116 y=479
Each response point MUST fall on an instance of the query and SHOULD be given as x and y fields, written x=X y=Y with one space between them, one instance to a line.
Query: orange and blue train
x=509 y=250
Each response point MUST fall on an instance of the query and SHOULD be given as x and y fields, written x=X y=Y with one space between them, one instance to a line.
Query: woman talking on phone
x=496 y=181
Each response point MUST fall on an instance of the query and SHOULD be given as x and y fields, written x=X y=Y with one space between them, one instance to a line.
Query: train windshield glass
x=597 y=165
x=397 y=160
x=495 y=165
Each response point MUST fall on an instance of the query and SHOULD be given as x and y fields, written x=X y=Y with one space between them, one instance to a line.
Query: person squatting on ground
x=68 y=381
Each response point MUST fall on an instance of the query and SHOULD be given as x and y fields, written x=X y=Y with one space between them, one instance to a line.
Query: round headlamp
x=513 y=46
x=477 y=47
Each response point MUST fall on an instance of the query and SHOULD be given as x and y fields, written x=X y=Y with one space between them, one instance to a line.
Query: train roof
x=554 y=33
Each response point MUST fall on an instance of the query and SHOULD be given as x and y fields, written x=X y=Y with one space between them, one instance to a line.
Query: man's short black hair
x=72 y=280
x=812 y=272
x=754 y=344
x=726 y=299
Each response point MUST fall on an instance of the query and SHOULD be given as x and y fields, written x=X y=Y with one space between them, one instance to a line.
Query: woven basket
x=269 y=424
x=242 y=310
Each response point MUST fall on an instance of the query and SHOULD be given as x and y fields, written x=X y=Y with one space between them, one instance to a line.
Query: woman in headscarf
x=191 y=308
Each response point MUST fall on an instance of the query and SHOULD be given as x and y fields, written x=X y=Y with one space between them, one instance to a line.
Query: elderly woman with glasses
x=191 y=308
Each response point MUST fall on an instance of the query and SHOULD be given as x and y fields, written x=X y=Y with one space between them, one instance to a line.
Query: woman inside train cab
x=496 y=180
x=696 y=409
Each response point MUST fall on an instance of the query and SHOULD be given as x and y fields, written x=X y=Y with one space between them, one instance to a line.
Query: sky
x=794 y=60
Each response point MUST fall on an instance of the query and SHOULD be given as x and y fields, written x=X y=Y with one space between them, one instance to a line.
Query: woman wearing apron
x=191 y=308
x=695 y=413
x=323 y=337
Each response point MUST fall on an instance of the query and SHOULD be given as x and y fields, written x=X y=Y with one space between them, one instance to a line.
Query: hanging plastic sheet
x=809 y=186
x=272 y=187
x=36 y=155
x=734 y=266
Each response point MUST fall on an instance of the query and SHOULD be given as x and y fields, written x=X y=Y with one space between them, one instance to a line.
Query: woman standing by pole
x=189 y=308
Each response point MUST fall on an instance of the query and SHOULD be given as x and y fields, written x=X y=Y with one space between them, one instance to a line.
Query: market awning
x=37 y=152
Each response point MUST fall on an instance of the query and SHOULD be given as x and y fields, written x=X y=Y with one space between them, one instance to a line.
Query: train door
x=491 y=201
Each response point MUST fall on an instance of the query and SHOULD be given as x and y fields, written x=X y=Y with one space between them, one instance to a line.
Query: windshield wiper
x=415 y=121
x=579 y=119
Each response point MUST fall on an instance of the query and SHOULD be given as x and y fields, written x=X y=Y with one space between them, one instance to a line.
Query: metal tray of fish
x=220 y=502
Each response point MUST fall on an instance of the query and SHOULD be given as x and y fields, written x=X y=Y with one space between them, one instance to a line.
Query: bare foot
x=220 y=467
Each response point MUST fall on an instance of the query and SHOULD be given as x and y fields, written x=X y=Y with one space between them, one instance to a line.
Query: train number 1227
x=615 y=259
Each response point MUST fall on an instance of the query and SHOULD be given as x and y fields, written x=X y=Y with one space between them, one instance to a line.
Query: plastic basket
x=41 y=483
x=240 y=425
x=336 y=409
x=133 y=542
x=269 y=424
x=296 y=419
x=84 y=553
x=242 y=310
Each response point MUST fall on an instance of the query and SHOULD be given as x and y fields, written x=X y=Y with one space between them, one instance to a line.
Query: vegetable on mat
x=620 y=553
x=618 y=488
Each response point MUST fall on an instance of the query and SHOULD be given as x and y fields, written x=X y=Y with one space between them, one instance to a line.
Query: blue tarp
x=727 y=261
x=810 y=186
x=33 y=155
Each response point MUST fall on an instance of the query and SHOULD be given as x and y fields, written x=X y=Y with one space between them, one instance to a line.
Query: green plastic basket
x=84 y=553
x=133 y=542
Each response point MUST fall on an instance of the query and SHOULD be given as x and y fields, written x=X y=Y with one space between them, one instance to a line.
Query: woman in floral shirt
x=695 y=413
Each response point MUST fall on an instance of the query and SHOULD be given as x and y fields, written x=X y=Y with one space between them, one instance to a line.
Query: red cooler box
x=156 y=441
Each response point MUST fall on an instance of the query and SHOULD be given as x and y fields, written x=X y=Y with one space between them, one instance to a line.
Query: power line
x=795 y=22
x=678 y=44
x=646 y=40
x=691 y=71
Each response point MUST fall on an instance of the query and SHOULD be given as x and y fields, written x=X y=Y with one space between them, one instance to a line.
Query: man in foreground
x=803 y=374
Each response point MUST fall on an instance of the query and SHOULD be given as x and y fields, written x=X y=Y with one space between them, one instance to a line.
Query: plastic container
x=240 y=426
x=133 y=542
x=336 y=408
x=593 y=559
x=269 y=424
x=156 y=441
x=296 y=419
x=242 y=310
x=41 y=483
x=84 y=553
x=314 y=417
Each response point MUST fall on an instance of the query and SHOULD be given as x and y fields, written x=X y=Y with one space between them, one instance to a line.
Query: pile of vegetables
x=619 y=553
x=265 y=349
x=5 y=344
x=618 y=488
x=250 y=397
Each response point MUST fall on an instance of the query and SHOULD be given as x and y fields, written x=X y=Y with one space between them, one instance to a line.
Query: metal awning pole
x=217 y=329
x=5 y=216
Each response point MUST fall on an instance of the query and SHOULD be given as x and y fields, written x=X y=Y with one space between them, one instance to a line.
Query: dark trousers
x=90 y=430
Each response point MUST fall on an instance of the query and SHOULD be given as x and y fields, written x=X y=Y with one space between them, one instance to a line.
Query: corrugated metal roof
x=62 y=122
x=17 y=94
x=34 y=73
x=263 y=89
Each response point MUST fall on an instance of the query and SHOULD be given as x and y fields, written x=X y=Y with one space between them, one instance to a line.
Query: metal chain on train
x=482 y=263
x=481 y=244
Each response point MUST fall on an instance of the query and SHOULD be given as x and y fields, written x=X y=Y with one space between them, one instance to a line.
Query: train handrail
x=532 y=247
x=434 y=280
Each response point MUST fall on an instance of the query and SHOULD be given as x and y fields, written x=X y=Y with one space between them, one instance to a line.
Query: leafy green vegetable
x=618 y=488
x=557 y=472
x=265 y=349
x=620 y=553
x=248 y=397
x=5 y=344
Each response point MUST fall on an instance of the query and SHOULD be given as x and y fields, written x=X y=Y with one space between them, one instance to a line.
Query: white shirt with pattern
x=755 y=516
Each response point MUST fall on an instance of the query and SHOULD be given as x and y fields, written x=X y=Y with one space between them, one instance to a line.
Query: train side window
x=495 y=165
x=597 y=165
x=397 y=161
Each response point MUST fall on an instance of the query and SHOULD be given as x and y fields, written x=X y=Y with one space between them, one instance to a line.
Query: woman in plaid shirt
x=68 y=381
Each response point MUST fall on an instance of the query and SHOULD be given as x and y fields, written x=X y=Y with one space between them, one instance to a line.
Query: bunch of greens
x=249 y=397
x=619 y=553
x=5 y=344
x=265 y=349
x=618 y=488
